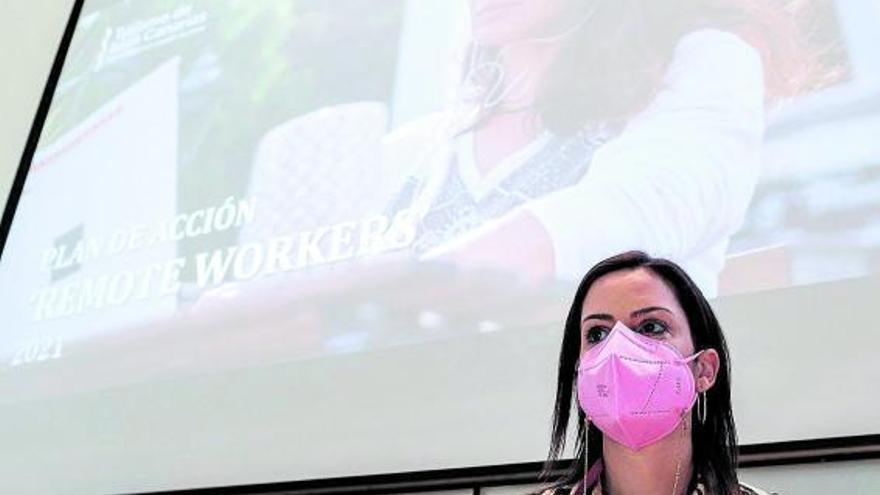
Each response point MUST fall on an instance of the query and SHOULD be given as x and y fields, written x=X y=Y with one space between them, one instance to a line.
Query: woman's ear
x=708 y=363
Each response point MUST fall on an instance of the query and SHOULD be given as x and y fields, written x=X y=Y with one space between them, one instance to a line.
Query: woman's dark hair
x=714 y=442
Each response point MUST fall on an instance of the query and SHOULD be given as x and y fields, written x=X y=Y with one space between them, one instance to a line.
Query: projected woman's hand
x=516 y=244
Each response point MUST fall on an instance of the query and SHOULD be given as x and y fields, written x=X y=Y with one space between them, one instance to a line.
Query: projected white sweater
x=676 y=182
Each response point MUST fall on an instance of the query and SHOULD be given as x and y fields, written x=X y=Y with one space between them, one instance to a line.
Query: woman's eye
x=652 y=327
x=596 y=334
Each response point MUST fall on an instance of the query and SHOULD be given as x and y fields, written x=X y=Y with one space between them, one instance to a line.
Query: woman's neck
x=524 y=65
x=662 y=468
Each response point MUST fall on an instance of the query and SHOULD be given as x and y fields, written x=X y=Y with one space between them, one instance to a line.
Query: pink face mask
x=633 y=388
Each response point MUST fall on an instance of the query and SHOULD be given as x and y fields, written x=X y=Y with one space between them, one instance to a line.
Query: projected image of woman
x=588 y=127
x=646 y=365
x=581 y=128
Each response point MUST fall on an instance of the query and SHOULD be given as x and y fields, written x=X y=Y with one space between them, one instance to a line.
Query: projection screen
x=283 y=240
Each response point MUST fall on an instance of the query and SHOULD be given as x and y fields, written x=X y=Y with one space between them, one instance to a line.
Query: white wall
x=30 y=31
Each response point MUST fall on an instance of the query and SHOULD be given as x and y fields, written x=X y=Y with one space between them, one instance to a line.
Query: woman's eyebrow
x=598 y=316
x=638 y=312
x=642 y=311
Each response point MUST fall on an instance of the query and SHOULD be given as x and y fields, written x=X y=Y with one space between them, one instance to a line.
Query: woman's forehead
x=628 y=290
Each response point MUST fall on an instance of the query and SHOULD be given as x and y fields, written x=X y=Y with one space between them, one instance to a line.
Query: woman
x=646 y=360
x=644 y=117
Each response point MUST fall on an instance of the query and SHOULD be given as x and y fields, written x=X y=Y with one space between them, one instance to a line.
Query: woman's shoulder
x=715 y=43
x=717 y=60
x=416 y=145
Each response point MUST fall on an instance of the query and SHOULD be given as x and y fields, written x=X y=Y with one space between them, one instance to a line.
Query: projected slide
x=226 y=184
